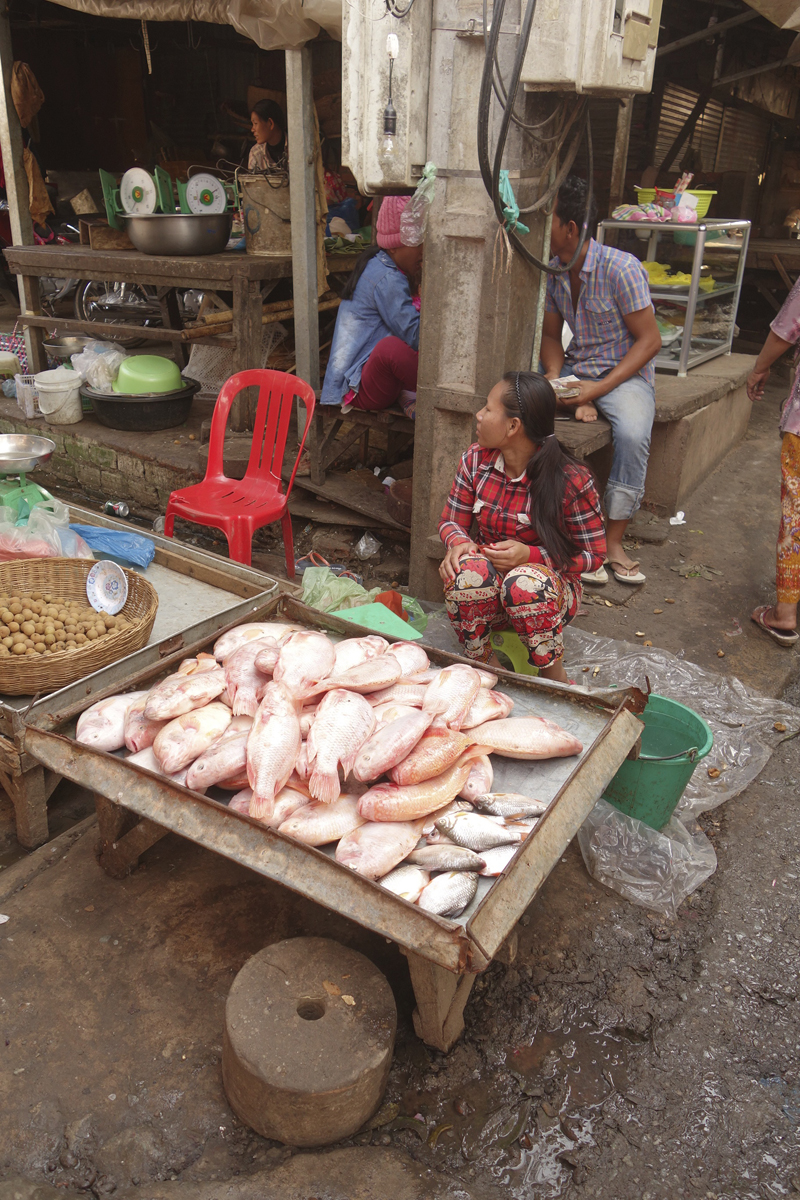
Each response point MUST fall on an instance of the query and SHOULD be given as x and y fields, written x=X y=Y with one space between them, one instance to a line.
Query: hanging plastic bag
x=657 y=869
x=130 y=548
x=98 y=363
x=417 y=618
x=328 y=592
x=510 y=206
x=414 y=218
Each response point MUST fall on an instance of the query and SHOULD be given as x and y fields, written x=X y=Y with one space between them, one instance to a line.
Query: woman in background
x=268 y=126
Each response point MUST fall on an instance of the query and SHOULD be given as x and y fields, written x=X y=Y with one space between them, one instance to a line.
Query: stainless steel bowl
x=63 y=348
x=180 y=233
x=23 y=452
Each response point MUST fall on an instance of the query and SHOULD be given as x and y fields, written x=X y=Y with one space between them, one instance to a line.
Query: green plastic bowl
x=147 y=373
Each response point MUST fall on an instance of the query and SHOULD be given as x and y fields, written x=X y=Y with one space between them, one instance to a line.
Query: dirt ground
x=621 y=1056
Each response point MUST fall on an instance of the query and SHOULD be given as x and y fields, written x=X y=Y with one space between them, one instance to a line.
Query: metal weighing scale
x=20 y=453
x=141 y=194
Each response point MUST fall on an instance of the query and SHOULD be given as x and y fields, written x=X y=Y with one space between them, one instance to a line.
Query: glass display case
x=695 y=274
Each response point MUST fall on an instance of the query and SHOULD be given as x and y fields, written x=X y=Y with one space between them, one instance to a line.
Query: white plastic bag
x=366 y=546
x=655 y=869
x=98 y=363
x=46 y=534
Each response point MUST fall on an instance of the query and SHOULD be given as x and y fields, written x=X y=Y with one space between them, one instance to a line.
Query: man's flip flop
x=639 y=577
x=784 y=637
x=598 y=576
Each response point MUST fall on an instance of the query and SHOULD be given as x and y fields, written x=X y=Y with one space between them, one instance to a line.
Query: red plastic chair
x=241 y=506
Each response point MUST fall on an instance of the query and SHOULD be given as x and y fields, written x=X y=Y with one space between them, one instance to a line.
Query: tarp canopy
x=272 y=24
x=783 y=13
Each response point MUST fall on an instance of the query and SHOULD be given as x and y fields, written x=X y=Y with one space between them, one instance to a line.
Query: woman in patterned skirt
x=539 y=525
x=779 y=620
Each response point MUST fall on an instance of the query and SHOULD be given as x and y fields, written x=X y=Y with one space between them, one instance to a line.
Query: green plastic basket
x=674 y=740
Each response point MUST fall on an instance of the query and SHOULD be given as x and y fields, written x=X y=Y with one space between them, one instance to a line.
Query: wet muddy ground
x=621 y=1056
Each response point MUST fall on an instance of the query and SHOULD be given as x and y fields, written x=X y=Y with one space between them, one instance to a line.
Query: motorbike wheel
x=116 y=304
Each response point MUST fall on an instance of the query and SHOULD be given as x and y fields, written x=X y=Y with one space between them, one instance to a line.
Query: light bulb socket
x=389 y=119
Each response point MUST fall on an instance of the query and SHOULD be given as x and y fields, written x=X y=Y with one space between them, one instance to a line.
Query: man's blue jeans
x=630 y=409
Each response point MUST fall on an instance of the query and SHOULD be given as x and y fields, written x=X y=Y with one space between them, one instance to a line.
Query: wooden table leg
x=30 y=304
x=247 y=331
x=441 y=997
x=172 y=319
x=123 y=838
x=28 y=793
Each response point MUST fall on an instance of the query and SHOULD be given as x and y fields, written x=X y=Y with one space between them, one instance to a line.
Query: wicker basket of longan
x=50 y=636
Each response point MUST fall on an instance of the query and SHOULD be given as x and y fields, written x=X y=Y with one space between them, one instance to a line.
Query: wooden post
x=619 y=163
x=247 y=331
x=300 y=117
x=441 y=997
x=17 y=192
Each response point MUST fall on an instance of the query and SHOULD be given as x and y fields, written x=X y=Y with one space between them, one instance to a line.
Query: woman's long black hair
x=363 y=259
x=530 y=397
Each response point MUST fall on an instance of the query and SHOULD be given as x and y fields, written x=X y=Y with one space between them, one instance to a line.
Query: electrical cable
x=491 y=175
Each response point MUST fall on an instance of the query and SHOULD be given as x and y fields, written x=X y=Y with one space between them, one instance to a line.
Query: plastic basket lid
x=379 y=619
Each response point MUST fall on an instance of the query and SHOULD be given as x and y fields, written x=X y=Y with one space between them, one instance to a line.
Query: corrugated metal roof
x=676 y=106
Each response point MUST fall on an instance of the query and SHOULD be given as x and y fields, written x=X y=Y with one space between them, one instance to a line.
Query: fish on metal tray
x=102 y=725
x=186 y=737
x=272 y=748
x=374 y=675
x=302 y=766
x=527 y=738
x=240 y=803
x=230 y=641
x=412 y=658
x=449 y=894
x=317 y=824
x=306 y=658
x=488 y=678
x=488 y=705
x=375 y=848
x=429 y=829
x=343 y=724
x=451 y=694
x=424 y=677
x=391 y=802
x=140 y=732
x=446 y=857
x=307 y=714
x=476 y=832
x=244 y=682
x=509 y=805
x=497 y=858
x=390 y=744
x=225 y=759
x=351 y=652
x=182 y=692
x=480 y=778
x=437 y=750
x=386 y=713
x=146 y=758
x=406 y=881
x=411 y=694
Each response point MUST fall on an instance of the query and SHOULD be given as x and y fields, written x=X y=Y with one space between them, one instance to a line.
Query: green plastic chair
x=515 y=651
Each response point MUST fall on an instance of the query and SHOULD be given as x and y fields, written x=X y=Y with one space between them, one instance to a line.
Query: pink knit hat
x=389 y=216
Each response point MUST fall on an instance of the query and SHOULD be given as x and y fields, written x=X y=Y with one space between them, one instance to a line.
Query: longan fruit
x=8 y=642
x=60 y=635
x=4 y=631
x=6 y=615
x=81 y=639
x=49 y=639
x=18 y=648
x=36 y=595
x=71 y=644
x=29 y=653
x=38 y=626
x=39 y=648
x=91 y=634
x=14 y=626
x=3 y=652
x=28 y=628
x=15 y=607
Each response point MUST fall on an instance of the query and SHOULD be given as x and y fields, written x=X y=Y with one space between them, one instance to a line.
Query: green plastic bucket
x=674 y=740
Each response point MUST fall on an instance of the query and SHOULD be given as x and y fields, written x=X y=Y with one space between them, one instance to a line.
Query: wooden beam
x=619 y=163
x=781 y=269
x=704 y=35
x=687 y=129
x=301 y=136
x=17 y=190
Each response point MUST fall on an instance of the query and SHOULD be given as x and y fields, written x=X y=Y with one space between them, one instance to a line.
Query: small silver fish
x=444 y=857
x=476 y=832
x=497 y=859
x=406 y=881
x=509 y=805
x=449 y=894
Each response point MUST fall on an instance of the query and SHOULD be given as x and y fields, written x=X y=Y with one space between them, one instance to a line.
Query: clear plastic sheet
x=414 y=218
x=98 y=363
x=741 y=720
x=655 y=869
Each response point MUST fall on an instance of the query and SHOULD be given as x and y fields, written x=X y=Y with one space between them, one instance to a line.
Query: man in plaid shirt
x=605 y=300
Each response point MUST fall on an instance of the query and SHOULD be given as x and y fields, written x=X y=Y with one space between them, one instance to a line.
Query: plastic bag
x=414 y=217
x=98 y=363
x=131 y=548
x=655 y=869
x=417 y=618
x=366 y=546
x=46 y=534
x=328 y=592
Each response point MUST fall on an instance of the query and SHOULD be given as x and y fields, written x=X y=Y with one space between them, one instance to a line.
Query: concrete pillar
x=477 y=316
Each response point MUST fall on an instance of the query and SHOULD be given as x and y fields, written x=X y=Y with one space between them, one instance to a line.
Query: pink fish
x=244 y=681
x=434 y=753
x=411 y=694
x=139 y=731
x=488 y=678
x=371 y=676
x=185 y=738
x=391 y=802
x=317 y=824
x=225 y=759
x=102 y=725
x=423 y=677
x=305 y=659
x=286 y=802
x=390 y=744
x=230 y=641
x=526 y=738
x=302 y=766
x=307 y=715
x=343 y=723
x=412 y=658
x=147 y=759
x=487 y=706
x=386 y=713
x=240 y=803
x=353 y=651
x=272 y=748
x=375 y=848
x=479 y=780
x=451 y=694
x=181 y=693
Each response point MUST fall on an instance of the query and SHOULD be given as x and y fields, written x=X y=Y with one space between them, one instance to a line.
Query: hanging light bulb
x=389 y=136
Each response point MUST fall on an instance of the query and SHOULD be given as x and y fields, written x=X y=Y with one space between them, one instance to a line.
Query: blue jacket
x=381 y=307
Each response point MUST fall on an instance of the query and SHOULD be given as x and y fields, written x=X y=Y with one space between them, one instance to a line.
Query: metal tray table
x=199 y=592
x=136 y=808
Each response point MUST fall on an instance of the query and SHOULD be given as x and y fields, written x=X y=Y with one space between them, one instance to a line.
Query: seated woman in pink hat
x=373 y=362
